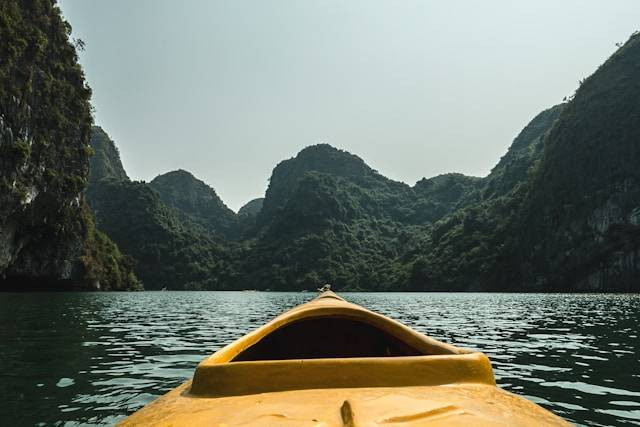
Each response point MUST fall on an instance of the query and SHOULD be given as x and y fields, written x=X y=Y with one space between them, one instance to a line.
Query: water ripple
x=77 y=359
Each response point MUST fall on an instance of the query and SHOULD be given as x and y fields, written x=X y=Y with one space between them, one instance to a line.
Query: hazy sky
x=227 y=89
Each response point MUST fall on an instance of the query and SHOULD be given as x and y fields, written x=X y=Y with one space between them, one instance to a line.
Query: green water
x=93 y=358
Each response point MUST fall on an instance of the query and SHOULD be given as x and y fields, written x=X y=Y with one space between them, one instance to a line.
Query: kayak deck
x=458 y=405
x=332 y=363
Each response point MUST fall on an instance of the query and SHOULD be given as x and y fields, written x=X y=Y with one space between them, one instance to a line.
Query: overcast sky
x=227 y=89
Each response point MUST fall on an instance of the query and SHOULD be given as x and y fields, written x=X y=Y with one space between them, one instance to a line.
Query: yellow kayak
x=332 y=363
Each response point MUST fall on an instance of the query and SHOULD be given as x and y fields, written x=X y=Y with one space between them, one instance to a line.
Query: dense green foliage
x=332 y=218
x=47 y=236
x=328 y=217
x=196 y=201
x=585 y=196
x=106 y=268
x=444 y=194
x=169 y=253
x=248 y=215
x=560 y=211
x=514 y=167
x=573 y=224
x=251 y=208
x=167 y=231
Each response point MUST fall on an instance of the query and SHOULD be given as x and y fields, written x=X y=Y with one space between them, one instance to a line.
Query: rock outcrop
x=47 y=238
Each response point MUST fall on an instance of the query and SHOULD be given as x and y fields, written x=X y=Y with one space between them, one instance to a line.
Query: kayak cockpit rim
x=330 y=343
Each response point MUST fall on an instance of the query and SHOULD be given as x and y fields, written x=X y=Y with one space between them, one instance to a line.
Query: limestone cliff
x=47 y=238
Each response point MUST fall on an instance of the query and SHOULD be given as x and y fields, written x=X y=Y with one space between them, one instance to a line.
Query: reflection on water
x=93 y=358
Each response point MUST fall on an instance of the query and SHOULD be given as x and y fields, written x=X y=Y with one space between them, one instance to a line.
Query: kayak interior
x=327 y=338
x=330 y=343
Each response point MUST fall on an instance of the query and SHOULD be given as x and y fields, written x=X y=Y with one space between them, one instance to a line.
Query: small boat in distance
x=332 y=363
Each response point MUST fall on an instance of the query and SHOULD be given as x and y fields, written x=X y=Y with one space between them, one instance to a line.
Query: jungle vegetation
x=47 y=235
x=560 y=211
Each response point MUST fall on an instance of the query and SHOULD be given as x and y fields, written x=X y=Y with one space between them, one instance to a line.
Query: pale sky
x=227 y=89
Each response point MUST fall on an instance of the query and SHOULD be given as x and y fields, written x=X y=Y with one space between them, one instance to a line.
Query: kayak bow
x=332 y=363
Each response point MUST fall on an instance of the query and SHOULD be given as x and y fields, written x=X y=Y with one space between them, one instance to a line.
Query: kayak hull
x=452 y=405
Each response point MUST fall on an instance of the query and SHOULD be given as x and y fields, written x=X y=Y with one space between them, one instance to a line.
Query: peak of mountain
x=170 y=250
x=440 y=195
x=514 y=167
x=252 y=208
x=450 y=188
x=328 y=159
x=105 y=161
x=197 y=201
x=168 y=225
x=248 y=216
x=320 y=158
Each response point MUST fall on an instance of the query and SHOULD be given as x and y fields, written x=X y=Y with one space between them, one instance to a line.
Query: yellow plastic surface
x=444 y=386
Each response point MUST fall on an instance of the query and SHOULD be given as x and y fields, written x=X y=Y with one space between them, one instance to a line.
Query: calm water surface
x=92 y=358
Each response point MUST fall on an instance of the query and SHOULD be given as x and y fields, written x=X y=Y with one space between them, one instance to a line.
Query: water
x=92 y=358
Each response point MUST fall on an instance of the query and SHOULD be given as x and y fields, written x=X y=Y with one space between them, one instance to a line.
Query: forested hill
x=328 y=217
x=170 y=242
x=514 y=166
x=47 y=236
x=251 y=209
x=321 y=158
x=572 y=225
x=560 y=211
x=248 y=215
x=197 y=201
x=581 y=219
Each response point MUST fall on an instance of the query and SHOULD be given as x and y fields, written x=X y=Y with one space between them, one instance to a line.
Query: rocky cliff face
x=105 y=161
x=47 y=239
x=514 y=167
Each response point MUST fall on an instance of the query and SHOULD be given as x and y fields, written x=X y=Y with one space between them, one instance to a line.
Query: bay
x=76 y=359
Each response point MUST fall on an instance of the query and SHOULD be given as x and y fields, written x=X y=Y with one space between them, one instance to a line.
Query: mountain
x=248 y=216
x=251 y=208
x=197 y=202
x=473 y=246
x=321 y=158
x=170 y=241
x=560 y=211
x=573 y=223
x=47 y=234
x=581 y=219
x=169 y=252
x=443 y=194
x=328 y=217
x=105 y=161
